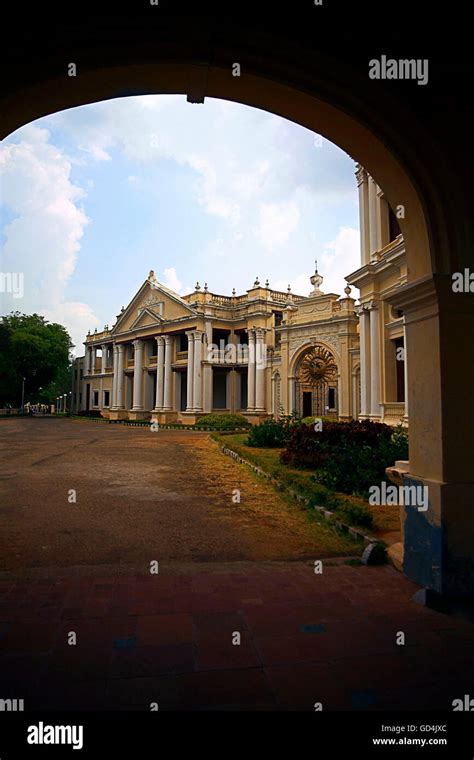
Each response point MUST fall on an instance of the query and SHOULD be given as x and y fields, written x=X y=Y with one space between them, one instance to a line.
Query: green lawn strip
x=337 y=542
x=349 y=509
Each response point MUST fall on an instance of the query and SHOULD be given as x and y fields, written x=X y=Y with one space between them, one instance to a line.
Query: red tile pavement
x=304 y=638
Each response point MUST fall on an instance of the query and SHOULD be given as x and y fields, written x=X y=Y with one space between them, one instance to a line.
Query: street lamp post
x=23 y=395
x=64 y=403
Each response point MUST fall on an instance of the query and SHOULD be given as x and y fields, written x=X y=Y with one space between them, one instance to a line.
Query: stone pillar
x=372 y=197
x=87 y=367
x=251 y=372
x=439 y=329
x=364 y=331
x=190 y=373
x=168 y=374
x=197 y=381
x=137 y=405
x=374 y=362
x=405 y=372
x=291 y=395
x=114 y=377
x=380 y=206
x=104 y=358
x=160 y=372
x=120 y=375
x=260 y=370
x=362 y=183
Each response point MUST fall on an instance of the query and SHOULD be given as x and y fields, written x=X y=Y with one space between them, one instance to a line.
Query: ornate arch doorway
x=316 y=383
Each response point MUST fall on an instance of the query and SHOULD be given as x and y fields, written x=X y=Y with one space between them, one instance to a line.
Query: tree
x=37 y=350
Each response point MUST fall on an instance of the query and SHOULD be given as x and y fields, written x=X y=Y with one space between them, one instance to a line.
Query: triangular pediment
x=153 y=304
x=147 y=318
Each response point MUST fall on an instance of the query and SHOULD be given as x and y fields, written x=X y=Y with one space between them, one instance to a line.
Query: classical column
x=120 y=375
x=104 y=358
x=168 y=374
x=405 y=371
x=260 y=370
x=137 y=376
x=374 y=361
x=160 y=371
x=190 y=372
x=291 y=395
x=362 y=183
x=88 y=360
x=379 y=205
x=372 y=197
x=251 y=372
x=364 y=333
x=197 y=383
x=114 y=377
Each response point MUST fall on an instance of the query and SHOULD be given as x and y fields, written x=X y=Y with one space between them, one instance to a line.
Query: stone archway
x=316 y=382
x=287 y=76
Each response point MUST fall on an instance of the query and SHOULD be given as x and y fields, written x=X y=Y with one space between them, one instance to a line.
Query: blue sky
x=94 y=197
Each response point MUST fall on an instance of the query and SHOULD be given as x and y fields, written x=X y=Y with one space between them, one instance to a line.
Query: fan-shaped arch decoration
x=317 y=366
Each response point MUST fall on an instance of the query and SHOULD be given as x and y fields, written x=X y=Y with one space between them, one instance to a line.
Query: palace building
x=172 y=358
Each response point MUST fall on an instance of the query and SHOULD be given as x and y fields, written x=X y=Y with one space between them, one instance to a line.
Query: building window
x=400 y=368
x=393 y=226
x=182 y=342
x=106 y=398
x=80 y=399
x=219 y=389
x=95 y=398
x=81 y=374
x=331 y=398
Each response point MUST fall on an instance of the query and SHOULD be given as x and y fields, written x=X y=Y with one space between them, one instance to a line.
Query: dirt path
x=140 y=496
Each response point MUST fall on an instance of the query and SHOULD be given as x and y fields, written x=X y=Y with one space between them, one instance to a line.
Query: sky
x=93 y=198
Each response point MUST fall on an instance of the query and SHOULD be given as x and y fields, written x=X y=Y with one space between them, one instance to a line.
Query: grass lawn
x=385 y=518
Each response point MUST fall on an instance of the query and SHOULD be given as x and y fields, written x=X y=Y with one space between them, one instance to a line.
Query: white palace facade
x=174 y=358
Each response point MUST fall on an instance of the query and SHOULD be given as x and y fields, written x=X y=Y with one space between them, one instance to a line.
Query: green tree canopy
x=37 y=350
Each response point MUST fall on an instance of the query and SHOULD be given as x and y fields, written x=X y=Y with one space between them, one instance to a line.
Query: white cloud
x=172 y=281
x=43 y=238
x=277 y=222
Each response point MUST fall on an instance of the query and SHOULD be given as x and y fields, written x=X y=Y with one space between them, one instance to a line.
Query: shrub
x=270 y=433
x=223 y=421
x=89 y=413
x=348 y=456
x=311 y=420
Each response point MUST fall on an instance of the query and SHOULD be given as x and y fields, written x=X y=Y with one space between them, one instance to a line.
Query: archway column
x=439 y=327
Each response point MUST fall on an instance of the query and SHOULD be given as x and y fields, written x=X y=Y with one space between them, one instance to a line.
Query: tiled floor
x=168 y=638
